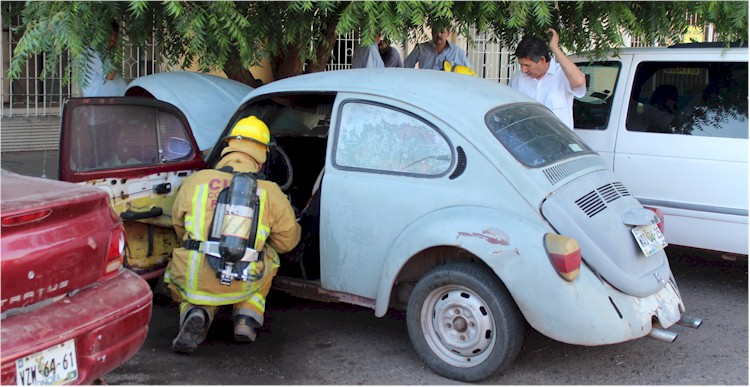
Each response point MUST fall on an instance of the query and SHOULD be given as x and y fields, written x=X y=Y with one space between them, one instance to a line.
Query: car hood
x=207 y=101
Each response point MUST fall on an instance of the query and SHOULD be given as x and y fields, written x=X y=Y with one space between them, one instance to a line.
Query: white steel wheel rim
x=458 y=326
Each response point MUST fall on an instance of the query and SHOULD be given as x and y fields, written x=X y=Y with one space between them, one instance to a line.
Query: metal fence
x=34 y=95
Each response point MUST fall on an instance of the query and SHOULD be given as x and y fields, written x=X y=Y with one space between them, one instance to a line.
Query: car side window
x=380 y=138
x=690 y=98
x=592 y=111
x=123 y=136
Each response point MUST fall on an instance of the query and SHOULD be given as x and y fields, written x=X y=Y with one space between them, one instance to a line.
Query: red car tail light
x=659 y=215
x=115 y=252
x=16 y=220
x=565 y=255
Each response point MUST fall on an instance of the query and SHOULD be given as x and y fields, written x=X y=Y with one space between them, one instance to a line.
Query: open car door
x=139 y=150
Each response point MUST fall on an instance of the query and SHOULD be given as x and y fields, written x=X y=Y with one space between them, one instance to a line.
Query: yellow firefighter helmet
x=250 y=128
x=449 y=67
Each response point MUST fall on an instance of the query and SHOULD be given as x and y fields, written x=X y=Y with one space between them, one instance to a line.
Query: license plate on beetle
x=649 y=238
x=50 y=367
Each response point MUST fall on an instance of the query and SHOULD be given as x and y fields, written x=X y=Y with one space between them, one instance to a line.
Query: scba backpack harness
x=230 y=248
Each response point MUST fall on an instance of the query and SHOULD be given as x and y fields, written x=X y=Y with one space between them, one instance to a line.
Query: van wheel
x=463 y=323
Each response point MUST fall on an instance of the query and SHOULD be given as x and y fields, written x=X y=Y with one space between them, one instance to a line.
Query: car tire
x=463 y=323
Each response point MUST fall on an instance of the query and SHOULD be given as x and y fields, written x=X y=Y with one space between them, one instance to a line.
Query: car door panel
x=139 y=151
x=354 y=239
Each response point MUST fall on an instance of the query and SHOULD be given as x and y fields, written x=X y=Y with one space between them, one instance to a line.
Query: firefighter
x=191 y=278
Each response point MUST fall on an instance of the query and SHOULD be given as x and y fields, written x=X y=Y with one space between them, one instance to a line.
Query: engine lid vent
x=559 y=172
x=596 y=201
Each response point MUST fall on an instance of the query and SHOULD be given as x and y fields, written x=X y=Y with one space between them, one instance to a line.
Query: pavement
x=42 y=163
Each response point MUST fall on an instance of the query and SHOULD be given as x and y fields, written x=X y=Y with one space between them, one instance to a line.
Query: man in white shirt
x=552 y=81
x=368 y=56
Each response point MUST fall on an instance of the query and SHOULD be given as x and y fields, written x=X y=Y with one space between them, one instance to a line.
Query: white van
x=672 y=122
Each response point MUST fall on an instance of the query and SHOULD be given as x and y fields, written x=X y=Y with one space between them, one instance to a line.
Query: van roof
x=712 y=48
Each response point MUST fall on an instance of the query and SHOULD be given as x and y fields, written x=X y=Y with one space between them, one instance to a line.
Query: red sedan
x=70 y=312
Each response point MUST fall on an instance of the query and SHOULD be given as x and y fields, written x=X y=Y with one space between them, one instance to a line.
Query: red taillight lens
x=115 y=252
x=659 y=215
x=565 y=255
x=17 y=220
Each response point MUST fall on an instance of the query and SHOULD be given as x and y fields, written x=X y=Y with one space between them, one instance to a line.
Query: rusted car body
x=70 y=312
x=457 y=199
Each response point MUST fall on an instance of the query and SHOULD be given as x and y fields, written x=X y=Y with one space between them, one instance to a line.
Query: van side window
x=690 y=98
x=380 y=138
x=592 y=111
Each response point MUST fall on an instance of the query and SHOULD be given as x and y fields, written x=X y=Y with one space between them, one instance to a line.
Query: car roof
x=207 y=101
x=439 y=92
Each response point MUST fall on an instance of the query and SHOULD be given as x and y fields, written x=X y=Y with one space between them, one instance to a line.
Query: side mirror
x=177 y=148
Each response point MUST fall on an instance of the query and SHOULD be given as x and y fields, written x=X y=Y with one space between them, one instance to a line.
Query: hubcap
x=458 y=325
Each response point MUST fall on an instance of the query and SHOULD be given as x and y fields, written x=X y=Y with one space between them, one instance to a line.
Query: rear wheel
x=463 y=323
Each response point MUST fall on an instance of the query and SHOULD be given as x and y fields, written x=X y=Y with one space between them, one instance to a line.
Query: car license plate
x=649 y=238
x=51 y=367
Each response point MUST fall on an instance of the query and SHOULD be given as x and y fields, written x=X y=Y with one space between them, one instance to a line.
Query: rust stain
x=495 y=237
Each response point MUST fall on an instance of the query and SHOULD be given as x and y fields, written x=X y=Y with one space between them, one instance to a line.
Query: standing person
x=192 y=272
x=552 y=81
x=368 y=56
x=431 y=55
x=99 y=84
x=390 y=55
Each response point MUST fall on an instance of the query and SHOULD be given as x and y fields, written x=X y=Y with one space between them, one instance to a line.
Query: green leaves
x=215 y=33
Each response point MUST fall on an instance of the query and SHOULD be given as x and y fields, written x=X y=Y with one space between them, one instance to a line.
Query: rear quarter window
x=533 y=134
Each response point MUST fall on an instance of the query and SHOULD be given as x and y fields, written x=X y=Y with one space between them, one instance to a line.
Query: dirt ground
x=306 y=342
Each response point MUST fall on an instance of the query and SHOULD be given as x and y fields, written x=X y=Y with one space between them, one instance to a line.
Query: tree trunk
x=288 y=64
x=234 y=70
x=324 y=51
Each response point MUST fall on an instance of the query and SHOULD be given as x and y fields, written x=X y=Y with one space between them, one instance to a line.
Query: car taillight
x=115 y=252
x=659 y=215
x=565 y=255
x=28 y=217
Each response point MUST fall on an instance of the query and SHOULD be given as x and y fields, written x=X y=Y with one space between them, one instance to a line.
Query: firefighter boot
x=190 y=332
x=243 y=328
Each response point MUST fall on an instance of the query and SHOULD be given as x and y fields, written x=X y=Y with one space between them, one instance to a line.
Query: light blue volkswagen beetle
x=457 y=199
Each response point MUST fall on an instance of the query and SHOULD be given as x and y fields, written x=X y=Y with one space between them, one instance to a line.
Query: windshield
x=533 y=134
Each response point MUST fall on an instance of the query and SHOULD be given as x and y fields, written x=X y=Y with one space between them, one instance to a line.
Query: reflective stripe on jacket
x=189 y=271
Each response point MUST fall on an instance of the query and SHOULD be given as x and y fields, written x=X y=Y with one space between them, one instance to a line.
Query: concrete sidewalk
x=33 y=163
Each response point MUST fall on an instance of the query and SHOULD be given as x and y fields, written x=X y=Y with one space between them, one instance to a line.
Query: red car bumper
x=108 y=321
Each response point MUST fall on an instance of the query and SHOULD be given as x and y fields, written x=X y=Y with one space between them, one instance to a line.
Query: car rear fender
x=586 y=311
x=509 y=243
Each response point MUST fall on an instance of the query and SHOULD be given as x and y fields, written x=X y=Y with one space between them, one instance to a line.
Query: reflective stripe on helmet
x=250 y=128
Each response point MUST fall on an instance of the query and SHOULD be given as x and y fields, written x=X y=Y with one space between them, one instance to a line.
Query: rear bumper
x=108 y=321
x=588 y=311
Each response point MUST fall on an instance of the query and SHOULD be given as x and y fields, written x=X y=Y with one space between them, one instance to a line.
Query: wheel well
x=419 y=264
